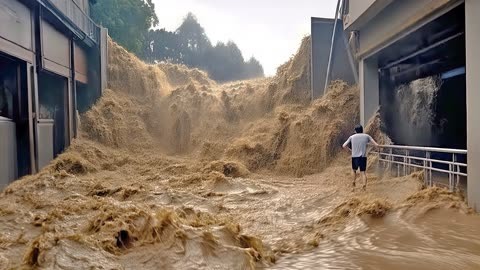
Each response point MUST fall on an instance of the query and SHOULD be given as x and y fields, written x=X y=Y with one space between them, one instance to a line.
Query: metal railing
x=406 y=159
x=78 y=17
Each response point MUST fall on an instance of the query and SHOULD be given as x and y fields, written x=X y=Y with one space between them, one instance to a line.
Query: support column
x=369 y=89
x=103 y=59
x=472 y=45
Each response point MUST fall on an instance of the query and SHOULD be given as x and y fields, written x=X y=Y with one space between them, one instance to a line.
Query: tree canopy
x=130 y=24
x=128 y=21
x=190 y=45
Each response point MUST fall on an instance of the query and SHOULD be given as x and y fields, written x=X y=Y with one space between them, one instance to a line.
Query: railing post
x=428 y=169
x=389 y=166
x=411 y=162
x=379 y=157
x=398 y=170
x=425 y=174
x=450 y=174
x=456 y=169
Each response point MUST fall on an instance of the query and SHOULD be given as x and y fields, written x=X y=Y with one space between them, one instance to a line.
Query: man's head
x=359 y=129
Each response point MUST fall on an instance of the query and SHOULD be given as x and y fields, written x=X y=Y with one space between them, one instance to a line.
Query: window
x=8 y=89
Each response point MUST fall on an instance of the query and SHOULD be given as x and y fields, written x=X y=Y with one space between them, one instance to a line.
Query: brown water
x=440 y=239
x=178 y=219
x=174 y=171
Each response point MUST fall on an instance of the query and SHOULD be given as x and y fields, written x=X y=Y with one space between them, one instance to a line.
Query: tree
x=253 y=69
x=226 y=62
x=190 y=45
x=194 y=42
x=165 y=46
x=128 y=21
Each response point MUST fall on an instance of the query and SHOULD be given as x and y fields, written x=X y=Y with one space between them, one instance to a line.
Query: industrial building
x=52 y=66
x=421 y=43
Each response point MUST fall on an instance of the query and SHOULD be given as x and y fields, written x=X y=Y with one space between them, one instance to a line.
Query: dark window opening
x=14 y=120
x=85 y=97
x=423 y=87
x=53 y=106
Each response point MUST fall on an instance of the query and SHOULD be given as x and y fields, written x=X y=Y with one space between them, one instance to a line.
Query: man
x=358 y=148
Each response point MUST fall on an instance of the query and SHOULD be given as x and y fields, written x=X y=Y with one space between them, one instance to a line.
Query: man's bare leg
x=354 y=179
x=364 y=176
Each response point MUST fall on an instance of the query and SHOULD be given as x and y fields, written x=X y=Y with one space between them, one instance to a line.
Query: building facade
x=52 y=67
x=400 y=42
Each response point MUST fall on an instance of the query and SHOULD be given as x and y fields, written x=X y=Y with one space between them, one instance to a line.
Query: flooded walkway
x=439 y=239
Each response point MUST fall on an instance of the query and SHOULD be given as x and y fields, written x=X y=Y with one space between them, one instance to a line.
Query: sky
x=269 y=30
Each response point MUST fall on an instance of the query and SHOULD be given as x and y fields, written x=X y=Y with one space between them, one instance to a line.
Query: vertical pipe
x=73 y=116
x=35 y=69
x=331 y=48
x=31 y=116
x=312 y=90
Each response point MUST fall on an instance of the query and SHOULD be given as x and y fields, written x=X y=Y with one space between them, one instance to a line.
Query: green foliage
x=190 y=45
x=128 y=21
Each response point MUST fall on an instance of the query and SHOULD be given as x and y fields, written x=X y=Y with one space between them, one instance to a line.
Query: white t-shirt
x=359 y=144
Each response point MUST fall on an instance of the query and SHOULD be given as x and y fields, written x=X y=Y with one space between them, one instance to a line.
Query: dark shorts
x=359 y=162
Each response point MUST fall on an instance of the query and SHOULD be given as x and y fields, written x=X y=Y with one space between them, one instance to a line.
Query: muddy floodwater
x=439 y=239
x=261 y=221
x=172 y=170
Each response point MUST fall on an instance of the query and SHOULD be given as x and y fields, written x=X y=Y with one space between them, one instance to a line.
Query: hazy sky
x=270 y=30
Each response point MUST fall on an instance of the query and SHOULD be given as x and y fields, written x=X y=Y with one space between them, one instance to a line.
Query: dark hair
x=359 y=129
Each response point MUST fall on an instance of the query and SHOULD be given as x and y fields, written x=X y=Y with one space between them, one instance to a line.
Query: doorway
x=53 y=108
x=14 y=119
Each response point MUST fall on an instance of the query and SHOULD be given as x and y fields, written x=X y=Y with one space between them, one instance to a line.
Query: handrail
x=421 y=167
x=70 y=10
x=427 y=159
x=401 y=156
x=429 y=149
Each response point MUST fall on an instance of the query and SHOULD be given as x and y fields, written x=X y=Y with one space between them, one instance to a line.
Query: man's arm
x=373 y=141
x=345 y=145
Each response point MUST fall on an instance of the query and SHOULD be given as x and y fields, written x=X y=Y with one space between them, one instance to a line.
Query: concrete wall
x=15 y=23
x=361 y=11
x=356 y=9
x=321 y=41
x=66 y=6
x=16 y=30
x=396 y=21
x=472 y=35
x=83 y=5
x=369 y=89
